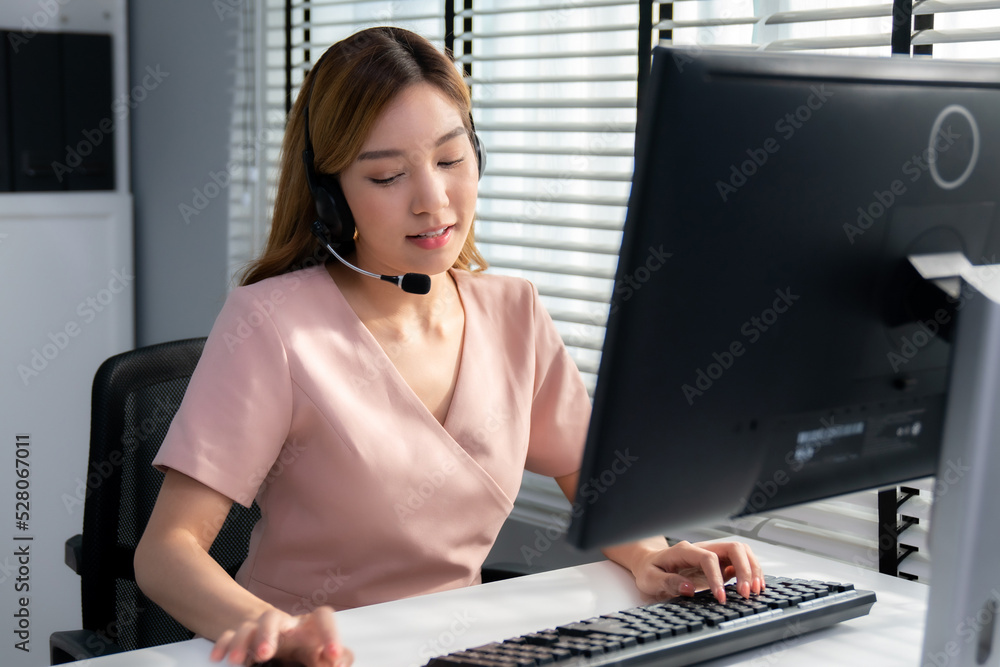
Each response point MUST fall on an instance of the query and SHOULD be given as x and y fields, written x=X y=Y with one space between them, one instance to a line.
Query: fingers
x=233 y=644
x=268 y=635
x=311 y=639
x=739 y=561
x=221 y=647
x=713 y=563
x=326 y=629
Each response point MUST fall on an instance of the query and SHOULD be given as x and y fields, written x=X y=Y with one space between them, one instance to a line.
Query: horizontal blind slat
x=568 y=30
x=547 y=244
x=558 y=198
x=833 y=14
x=530 y=126
x=617 y=176
x=560 y=150
x=942 y=7
x=837 y=42
x=566 y=270
x=542 y=7
x=608 y=53
x=572 y=293
x=357 y=22
x=672 y=24
x=579 y=223
x=557 y=103
x=568 y=78
x=958 y=35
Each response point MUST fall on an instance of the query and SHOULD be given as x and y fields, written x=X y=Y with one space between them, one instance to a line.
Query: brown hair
x=365 y=73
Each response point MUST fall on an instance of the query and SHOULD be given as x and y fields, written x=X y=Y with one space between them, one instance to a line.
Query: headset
x=334 y=218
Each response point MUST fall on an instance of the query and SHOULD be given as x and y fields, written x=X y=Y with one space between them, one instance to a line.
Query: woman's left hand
x=684 y=568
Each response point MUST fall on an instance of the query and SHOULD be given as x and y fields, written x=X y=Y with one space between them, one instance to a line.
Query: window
x=554 y=86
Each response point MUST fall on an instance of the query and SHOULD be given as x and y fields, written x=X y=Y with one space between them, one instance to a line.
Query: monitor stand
x=961 y=630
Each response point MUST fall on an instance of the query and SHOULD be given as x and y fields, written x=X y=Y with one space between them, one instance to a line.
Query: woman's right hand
x=310 y=639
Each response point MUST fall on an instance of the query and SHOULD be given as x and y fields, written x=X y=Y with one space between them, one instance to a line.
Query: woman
x=383 y=433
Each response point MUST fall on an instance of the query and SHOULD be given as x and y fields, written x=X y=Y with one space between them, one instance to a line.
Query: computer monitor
x=770 y=342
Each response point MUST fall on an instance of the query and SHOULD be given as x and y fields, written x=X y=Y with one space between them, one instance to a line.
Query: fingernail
x=687 y=588
x=334 y=649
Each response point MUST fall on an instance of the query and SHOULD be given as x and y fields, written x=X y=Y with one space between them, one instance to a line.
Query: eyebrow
x=395 y=152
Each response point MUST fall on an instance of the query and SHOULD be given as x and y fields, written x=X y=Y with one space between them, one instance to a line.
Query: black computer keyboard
x=681 y=631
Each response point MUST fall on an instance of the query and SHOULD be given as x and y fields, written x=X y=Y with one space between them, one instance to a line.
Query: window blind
x=257 y=128
x=554 y=89
x=961 y=28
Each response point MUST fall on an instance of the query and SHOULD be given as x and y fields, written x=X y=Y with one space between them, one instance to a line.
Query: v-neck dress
x=365 y=497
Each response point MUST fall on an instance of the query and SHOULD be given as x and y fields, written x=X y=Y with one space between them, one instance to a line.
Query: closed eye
x=385 y=181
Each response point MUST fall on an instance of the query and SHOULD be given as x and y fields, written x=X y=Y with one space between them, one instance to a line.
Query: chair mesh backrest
x=135 y=396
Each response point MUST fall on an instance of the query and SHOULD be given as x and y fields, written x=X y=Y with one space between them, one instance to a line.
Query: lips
x=433 y=238
x=432 y=234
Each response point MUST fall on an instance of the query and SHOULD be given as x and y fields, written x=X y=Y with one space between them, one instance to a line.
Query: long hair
x=355 y=81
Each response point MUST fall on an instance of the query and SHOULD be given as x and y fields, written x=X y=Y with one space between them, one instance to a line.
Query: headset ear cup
x=477 y=145
x=326 y=212
x=342 y=230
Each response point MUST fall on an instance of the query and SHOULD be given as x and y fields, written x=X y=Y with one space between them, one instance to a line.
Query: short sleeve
x=560 y=409
x=236 y=413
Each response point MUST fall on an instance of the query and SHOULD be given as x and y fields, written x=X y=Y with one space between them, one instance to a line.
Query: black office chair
x=135 y=395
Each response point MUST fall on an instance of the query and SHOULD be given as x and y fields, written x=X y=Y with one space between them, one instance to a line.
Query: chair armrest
x=70 y=645
x=74 y=552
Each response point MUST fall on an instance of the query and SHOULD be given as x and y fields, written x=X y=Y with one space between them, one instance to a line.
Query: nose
x=430 y=193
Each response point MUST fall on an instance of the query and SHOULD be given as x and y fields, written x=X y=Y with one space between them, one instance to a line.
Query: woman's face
x=413 y=187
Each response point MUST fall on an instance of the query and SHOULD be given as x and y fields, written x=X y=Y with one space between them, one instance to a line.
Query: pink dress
x=365 y=497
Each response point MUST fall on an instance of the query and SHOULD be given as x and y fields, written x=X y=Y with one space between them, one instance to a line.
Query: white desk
x=406 y=633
